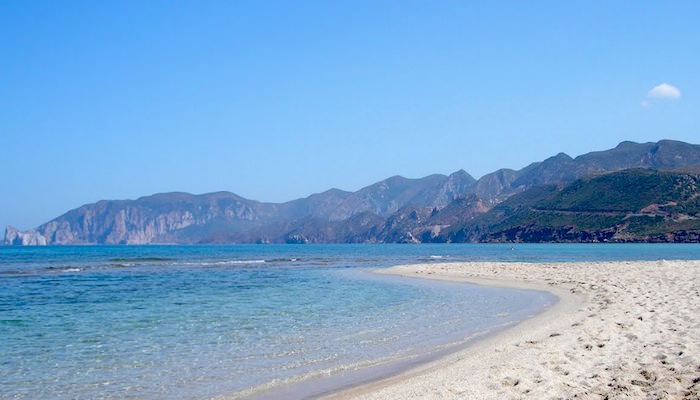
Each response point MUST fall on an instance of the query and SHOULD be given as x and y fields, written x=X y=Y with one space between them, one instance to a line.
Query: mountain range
x=633 y=192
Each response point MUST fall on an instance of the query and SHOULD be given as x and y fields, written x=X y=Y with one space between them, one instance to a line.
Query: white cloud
x=664 y=91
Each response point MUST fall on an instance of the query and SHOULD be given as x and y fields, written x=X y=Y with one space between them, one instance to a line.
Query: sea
x=250 y=321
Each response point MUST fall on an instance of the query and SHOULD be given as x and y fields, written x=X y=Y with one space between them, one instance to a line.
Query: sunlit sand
x=621 y=330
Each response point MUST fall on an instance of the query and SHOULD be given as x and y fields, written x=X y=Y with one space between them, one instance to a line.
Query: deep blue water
x=186 y=322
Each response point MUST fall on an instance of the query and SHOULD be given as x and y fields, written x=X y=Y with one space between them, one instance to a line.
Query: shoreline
x=619 y=330
x=320 y=385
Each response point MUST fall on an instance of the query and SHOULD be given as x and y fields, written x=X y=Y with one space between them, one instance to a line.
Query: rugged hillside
x=664 y=155
x=224 y=217
x=388 y=196
x=430 y=209
x=638 y=205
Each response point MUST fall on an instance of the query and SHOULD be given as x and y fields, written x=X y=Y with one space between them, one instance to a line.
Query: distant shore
x=621 y=330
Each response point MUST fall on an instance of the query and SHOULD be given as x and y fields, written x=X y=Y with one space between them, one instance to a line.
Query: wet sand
x=622 y=330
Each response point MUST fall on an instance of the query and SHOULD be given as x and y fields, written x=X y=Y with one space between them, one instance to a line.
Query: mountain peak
x=562 y=156
x=627 y=144
x=396 y=180
x=461 y=174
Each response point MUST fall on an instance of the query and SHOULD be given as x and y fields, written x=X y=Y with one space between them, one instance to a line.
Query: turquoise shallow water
x=186 y=322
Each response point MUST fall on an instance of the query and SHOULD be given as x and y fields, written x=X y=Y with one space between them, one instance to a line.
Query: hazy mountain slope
x=384 y=197
x=388 y=196
x=156 y=219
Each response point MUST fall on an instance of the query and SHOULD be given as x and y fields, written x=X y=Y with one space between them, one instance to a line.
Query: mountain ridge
x=396 y=209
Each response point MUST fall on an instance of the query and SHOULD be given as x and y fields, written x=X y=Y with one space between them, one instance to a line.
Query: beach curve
x=620 y=330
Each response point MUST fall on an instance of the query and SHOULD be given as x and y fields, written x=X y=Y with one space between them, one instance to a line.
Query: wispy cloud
x=664 y=91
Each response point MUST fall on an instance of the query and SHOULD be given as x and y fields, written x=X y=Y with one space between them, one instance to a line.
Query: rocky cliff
x=15 y=237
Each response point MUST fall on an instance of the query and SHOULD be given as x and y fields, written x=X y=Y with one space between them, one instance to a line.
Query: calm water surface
x=190 y=322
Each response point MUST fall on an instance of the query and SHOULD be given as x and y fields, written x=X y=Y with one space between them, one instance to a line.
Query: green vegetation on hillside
x=632 y=205
x=628 y=191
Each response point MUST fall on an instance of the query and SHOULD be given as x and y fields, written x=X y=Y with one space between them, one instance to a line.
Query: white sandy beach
x=622 y=330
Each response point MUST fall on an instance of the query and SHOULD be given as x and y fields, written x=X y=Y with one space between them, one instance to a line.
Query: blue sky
x=277 y=100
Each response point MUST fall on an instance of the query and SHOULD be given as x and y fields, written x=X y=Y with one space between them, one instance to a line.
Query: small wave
x=64 y=269
x=304 y=383
x=13 y=272
x=235 y=262
x=139 y=259
x=283 y=260
x=226 y=262
x=122 y=265
x=437 y=257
